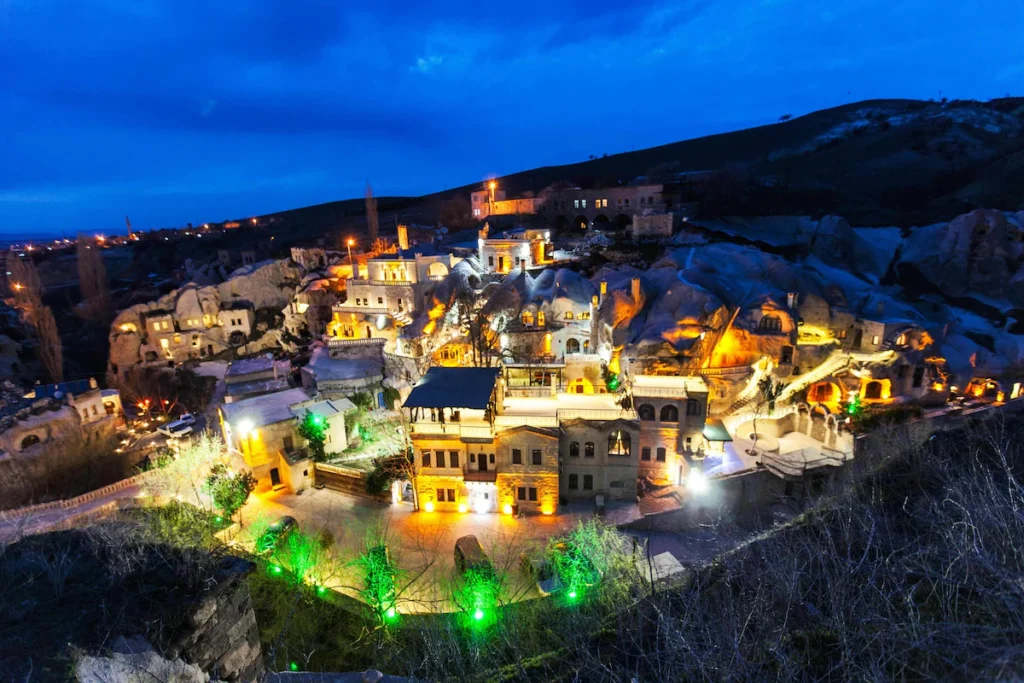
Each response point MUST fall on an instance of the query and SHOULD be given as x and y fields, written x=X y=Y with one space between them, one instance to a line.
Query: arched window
x=873 y=390
x=618 y=443
x=646 y=412
x=669 y=414
x=572 y=345
x=693 y=407
x=770 y=323
x=29 y=441
x=527 y=318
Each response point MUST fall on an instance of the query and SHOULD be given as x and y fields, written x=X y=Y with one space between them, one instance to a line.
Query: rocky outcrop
x=270 y=284
x=980 y=252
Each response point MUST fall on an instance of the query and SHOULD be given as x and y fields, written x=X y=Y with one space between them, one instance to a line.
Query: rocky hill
x=877 y=162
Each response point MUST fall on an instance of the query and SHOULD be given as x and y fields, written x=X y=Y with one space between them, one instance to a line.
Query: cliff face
x=270 y=284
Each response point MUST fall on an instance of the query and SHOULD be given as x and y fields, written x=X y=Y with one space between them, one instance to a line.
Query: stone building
x=672 y=412
x=522 y=248
x=262 y=432
x=486 y=448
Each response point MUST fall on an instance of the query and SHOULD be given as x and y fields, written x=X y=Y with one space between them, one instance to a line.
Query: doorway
x=275 y=477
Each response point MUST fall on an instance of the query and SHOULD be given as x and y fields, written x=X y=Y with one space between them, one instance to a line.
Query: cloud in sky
x=187 y=110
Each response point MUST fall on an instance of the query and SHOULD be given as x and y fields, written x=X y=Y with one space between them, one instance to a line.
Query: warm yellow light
x=1000 y=397
x=100 y=238
x=547 y=510
x=492 y=184
x=938 y=386
x=254 y=221
x=18 y=286
x=429 y=506
x=462 y=507
x=507 y=509
x=351 y=242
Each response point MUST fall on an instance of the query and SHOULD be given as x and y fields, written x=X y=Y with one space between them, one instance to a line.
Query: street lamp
x=491 y=185
x=348 y=243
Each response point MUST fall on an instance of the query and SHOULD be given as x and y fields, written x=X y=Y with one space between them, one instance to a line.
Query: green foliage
x=583 y=555
x=388 y=469
x=770 y=390
x=229 y=490
x=313 y=428
x=391 y=397
x=478 y=592
x=378 y=578
x=611 y=380
x=362 y=400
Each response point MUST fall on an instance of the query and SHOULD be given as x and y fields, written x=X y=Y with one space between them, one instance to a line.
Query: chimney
x=403 y=237
x=635 y=289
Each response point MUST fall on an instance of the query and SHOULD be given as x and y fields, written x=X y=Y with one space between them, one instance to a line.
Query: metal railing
x=596 y=414
x=331 y=343
x=536 y=391
x=368 y=310
x=383 y=283
x=660 y=392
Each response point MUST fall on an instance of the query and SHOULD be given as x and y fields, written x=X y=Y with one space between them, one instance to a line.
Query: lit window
x=874 y=340
x=584 y=203
x=528 y=318
x=568 y=315
x=618 y=443
x=577 y=203
x=540 y=318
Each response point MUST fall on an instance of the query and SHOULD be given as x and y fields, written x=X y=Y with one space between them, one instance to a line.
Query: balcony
x=455 y=430
x=355 y=341
x=365 y=310
x=660 y=392
x=382 y=283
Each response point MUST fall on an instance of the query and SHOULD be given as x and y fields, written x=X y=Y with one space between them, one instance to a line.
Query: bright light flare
x=697 y=482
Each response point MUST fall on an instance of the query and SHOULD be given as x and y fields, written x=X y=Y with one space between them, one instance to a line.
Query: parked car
x=176 y=430
x=187 y=419
x=469 y=554
x=275 y=533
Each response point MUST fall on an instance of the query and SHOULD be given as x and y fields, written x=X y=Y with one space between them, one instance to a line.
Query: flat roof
x=690 y=384
x=266 y=409
x=327 y=409
x=469 y=388
x=248 y=366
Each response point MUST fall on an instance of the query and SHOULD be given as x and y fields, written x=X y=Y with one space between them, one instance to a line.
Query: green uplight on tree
x=294 y=666
x=572 y=595
x=276 y=569
x=391 y=613
x=478 y=614
x=313 y=428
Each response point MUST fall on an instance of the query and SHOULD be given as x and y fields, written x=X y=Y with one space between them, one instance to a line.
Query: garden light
x=391 y=613
x=507 y=509
x=572 y=594
x=462 y=507
x=429 y=506
x=478 y=614
x=697 y=482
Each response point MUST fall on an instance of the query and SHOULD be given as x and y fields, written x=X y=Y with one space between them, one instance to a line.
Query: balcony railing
x=596 y=414
x=382 y=283
x=366 y=310
x=480 y=430
x=537 y=391
x=509 y=421
x=356 y=341
x=660 y=392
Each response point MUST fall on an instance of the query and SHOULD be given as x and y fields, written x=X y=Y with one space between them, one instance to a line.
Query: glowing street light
x=697 y=482
x=348 y=243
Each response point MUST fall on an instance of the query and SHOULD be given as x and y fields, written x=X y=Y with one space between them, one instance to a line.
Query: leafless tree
x=372 y=225
x=51 y=353
x=28 y=289
x=92 y=281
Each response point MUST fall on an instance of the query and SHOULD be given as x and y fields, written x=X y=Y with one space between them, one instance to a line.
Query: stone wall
x=220 y=634
x=653 y=225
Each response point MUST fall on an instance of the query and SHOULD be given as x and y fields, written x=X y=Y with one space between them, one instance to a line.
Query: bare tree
x=371 y=214
x=28 y=289
x=51 y=353
x=769 y=389
x=92 y=281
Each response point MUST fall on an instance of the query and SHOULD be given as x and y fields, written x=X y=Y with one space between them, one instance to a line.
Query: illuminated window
x=770 y=323
x=568 y=315
x=540 y=318
x=577 y=203
x=165 y=344
x=618 y=443
x=874 y=340
x=585 y=315
x=527 y=318
x=583 y=203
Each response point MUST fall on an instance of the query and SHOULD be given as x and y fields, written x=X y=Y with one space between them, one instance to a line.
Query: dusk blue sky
x=173 y=111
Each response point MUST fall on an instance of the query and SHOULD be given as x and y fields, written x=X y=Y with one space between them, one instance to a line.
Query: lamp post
x=491 y=185
x=348 y=243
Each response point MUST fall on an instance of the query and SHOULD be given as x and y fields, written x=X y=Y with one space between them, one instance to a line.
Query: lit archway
x=581 y=222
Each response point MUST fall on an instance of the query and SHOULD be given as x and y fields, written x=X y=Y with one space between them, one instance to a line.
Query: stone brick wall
x=220 y=634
